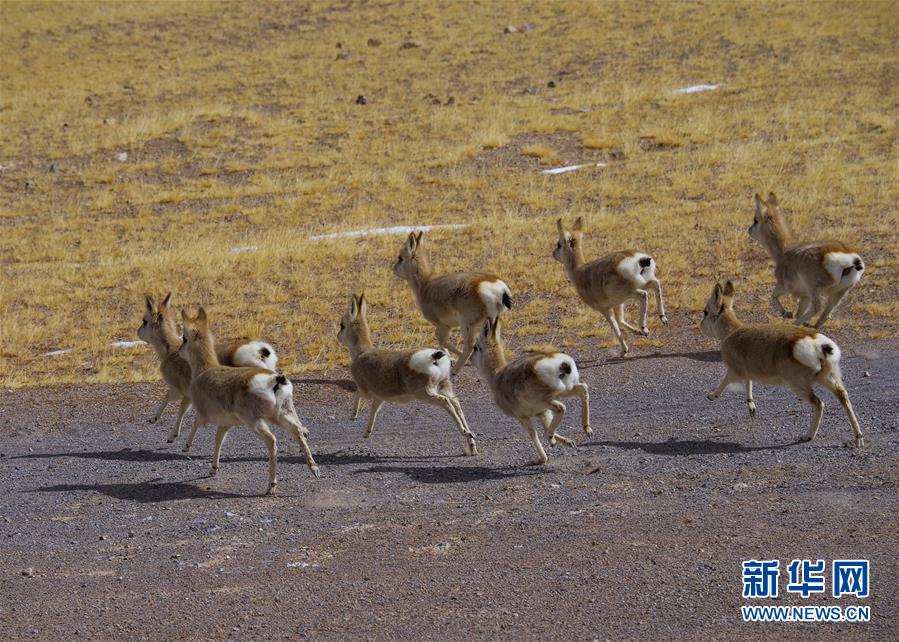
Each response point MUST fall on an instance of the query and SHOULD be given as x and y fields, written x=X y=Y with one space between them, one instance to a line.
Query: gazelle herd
x=233 y=383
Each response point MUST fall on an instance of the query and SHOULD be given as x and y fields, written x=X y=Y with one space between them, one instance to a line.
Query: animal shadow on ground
x=453 y=474
x=148 y=492
x=709 y=356
x=686 y=447
x=126 y=454
x=345 y=384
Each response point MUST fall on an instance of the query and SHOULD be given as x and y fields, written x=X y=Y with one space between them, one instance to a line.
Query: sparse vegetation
x=141 y=142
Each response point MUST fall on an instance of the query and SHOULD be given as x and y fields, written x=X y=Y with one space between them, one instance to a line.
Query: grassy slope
x=241 y=129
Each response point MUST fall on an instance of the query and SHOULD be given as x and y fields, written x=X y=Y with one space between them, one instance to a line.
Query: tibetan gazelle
x=805 y=269
x=608 y=282
x=464 y=300
x=531 y=386
x=229 y=397
x=401 y=377
x=160 y=331
x=779 y=355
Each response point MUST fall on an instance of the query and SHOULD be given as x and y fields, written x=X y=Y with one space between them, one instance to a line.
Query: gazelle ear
x=728 y=289
x=486 y=328
x=185 y=317
x=151 y=304
x=772 y=199
x=363 y=305
x=167 y=300
x=578 y=224
x=353 y=310
x=559 y=227
x=759 y=205
x=418 y=237
x=201 y=315
x=411 y=243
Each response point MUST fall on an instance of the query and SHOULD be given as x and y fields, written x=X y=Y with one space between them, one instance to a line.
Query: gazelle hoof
x=152 y=420
x=186 y=449
x=588 y=430
x=711 y=396
x=213 y=471
x=170 y=440
x=315 y=471
x=664 y=319
x=538 y=462
x=803 y=438
x=752 y=410
x=271 y=488
x=366 y=435
x=644 y=331
x=473 y=451
x=786 y=314
x=858 y=442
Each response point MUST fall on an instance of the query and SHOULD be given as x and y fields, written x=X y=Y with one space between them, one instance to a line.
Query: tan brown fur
x=386 y=375
x=520 y=392
x=769 y=354
x=449 y=300
x=601 y=284
x=801 y=268
x=160 y=331
x=225 y=396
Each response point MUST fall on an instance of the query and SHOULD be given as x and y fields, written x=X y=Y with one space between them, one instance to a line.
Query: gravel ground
x=108 y=532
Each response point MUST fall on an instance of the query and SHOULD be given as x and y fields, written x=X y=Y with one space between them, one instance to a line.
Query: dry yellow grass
x=241 y=128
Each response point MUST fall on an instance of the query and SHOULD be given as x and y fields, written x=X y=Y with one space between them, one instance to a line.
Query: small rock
x=55 y=168
x=121 y=157
x=340 y=45
x=110 y=121
x=551 y=84
x=343 y=55
x=527 y=26
x=431 y=99
x=412 y=44
x=450 y=102
x=510 y=29
x=28 y=572
x=374 y=42
x=361 y=100
x=102 y=538
x=130 y=533
x=867 y=374
x=741 y=486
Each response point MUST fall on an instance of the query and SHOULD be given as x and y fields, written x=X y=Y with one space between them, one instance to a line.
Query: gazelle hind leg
x=656 y=286
x=643 y=298
x=581 y=390
x=170 y=396
x=809 y=395
x=447 y=404
x=176 y=429
x=728 y=379
x=529 y=426
x=810 y=309
x=372 y=415
x=833 y=300
x=839 y=391
x=443 y=340
x=220 y=434
x=551 y=427
x=295 y=427
x=749 y=401
x=357 y=405
x=470 y=333
x=268 y=438
x=778 y=306
x=198 y=422
x=619 y=314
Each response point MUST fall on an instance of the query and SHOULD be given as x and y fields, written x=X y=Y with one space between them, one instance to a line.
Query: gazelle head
x=767 y=224
x=410 y=262
x=568 y=247
x=198 y=341
x=158 y=326
x=720 y=302
x=354 y=324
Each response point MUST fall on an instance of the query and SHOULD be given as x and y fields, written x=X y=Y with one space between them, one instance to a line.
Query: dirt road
x=107 y=532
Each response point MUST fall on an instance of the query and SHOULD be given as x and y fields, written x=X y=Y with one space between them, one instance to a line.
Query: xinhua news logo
x=848 y=578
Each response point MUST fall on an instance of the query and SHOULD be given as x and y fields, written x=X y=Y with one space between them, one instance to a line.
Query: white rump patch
x=630 y=268
x=548 y=370
x=263 y=384
x=400 y=229
x=836 y=262
x=570 y=168
x=492 y=295
x=692 y=89
x=423 y=361
x=250 y=354
x=809 y=351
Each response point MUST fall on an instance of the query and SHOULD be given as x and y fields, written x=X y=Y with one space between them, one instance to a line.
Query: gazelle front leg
x=443 y=339
x=170 y=396
x=778 y=306
x=447 y=404
x=728 y=379
x=810 y=310
x=832 y=302
x=372 y=415
x=470 y=334
x=552 y=419
x=749 y=400
x=357 y=405
x=176 y=429
x=217 y=448
x=271 y=444
x=610 y=317
x=198 y=421
x=656 y=286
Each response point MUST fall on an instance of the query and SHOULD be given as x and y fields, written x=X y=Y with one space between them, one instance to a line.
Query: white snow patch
x=696 y=88
x=399 y=229
x=244 y=248
x=570 y=168
x=127 y=344
x=55 y=352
